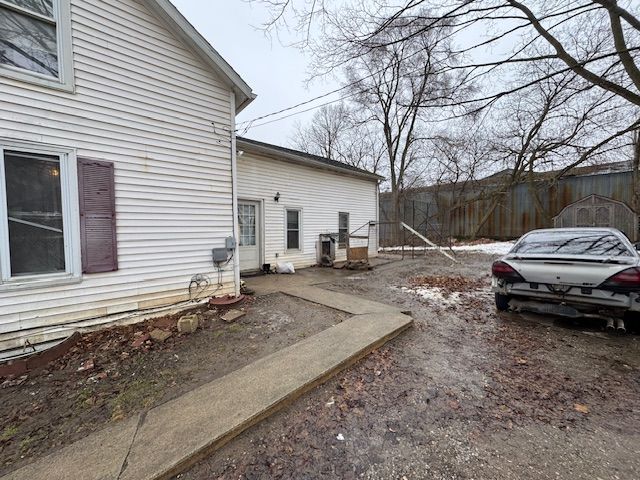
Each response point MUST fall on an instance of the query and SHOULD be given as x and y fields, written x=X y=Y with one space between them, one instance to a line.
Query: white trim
x=70 y=216
x=26 y=11
x=65 y=80
x=300 y=248
x=234 y=196
x=5 y=258
x=65 y=48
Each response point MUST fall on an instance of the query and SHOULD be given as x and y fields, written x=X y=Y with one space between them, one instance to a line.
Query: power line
x=250 y=123
x=296 y=113
x=351 y=84
x=306 y=102
x=319 y=97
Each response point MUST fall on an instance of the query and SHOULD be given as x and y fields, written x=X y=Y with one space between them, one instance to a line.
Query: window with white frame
x=293 y=229
x=37 y=224
x=35 y=40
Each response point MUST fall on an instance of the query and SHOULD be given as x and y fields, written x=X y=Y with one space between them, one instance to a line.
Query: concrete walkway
x=170 y=438
x=339 y=301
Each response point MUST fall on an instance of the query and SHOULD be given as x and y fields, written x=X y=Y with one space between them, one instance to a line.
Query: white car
x=573 y=272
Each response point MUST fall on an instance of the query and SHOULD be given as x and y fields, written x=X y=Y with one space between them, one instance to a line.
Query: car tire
x=502 y=302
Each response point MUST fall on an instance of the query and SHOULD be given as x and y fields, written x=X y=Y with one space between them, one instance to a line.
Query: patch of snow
x=494 y=248
x=438 y=296
x=418 y=248
x=434 y=295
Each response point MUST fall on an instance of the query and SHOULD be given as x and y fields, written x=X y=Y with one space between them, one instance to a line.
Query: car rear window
x=573 y=243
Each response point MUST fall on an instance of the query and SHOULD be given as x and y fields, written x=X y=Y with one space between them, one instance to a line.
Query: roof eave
x=277 y=154
x=188 y=33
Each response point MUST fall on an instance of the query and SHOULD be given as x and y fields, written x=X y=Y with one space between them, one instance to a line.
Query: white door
x=249 y=232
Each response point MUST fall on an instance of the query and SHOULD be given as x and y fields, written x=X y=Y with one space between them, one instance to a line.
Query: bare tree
x=559 y=29
x=390 y=88
x=335 y=132
x=463 y=154
x=323 y=135
x=553 y=126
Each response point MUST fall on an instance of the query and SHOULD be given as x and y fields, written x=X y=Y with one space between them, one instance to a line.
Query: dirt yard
x=466 y=394
x=115 y=373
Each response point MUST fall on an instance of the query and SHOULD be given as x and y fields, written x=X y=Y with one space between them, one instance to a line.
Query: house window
x=35 y=40
x=35 y=216
x=293 y=230
x=247 y=223
x=343 y=229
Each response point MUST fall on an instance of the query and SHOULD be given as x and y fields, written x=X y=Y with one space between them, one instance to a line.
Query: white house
x=116 y=162
x=287 y=199
x=118 y=170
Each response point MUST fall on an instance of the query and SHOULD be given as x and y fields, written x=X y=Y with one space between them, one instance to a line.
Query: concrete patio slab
x=266 y=284
x=97 y=457
x=339 y=301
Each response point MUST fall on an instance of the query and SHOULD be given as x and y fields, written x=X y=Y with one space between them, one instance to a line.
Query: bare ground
x=466 y=394
x=47 y=410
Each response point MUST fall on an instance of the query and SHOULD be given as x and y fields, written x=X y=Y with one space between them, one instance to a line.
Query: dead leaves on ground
x=449 y=284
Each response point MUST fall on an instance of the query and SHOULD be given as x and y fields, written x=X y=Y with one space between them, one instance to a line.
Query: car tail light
x=506 y=272
x=626 y=280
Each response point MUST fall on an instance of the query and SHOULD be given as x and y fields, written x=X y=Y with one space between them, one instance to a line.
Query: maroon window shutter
x=97 y=216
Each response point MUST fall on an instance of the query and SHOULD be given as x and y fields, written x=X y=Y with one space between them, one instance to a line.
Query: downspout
x=234 y=195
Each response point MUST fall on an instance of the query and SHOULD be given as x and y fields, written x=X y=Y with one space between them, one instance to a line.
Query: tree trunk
x=635 y=199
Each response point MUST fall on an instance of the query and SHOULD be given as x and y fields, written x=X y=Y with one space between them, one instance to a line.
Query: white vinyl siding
x=147 y=103
x=319 y=194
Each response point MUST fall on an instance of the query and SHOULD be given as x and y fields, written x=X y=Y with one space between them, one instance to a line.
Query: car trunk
x=574 y=272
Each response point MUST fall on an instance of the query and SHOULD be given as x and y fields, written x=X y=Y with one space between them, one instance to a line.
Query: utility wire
x=251 y=123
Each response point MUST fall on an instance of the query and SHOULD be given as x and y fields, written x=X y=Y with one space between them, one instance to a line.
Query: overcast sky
x=276 y=73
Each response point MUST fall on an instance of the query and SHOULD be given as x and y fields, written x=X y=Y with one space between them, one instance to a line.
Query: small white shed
x=292 y=204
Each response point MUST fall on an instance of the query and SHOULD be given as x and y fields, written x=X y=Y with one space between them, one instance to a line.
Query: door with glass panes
x=249 y=235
